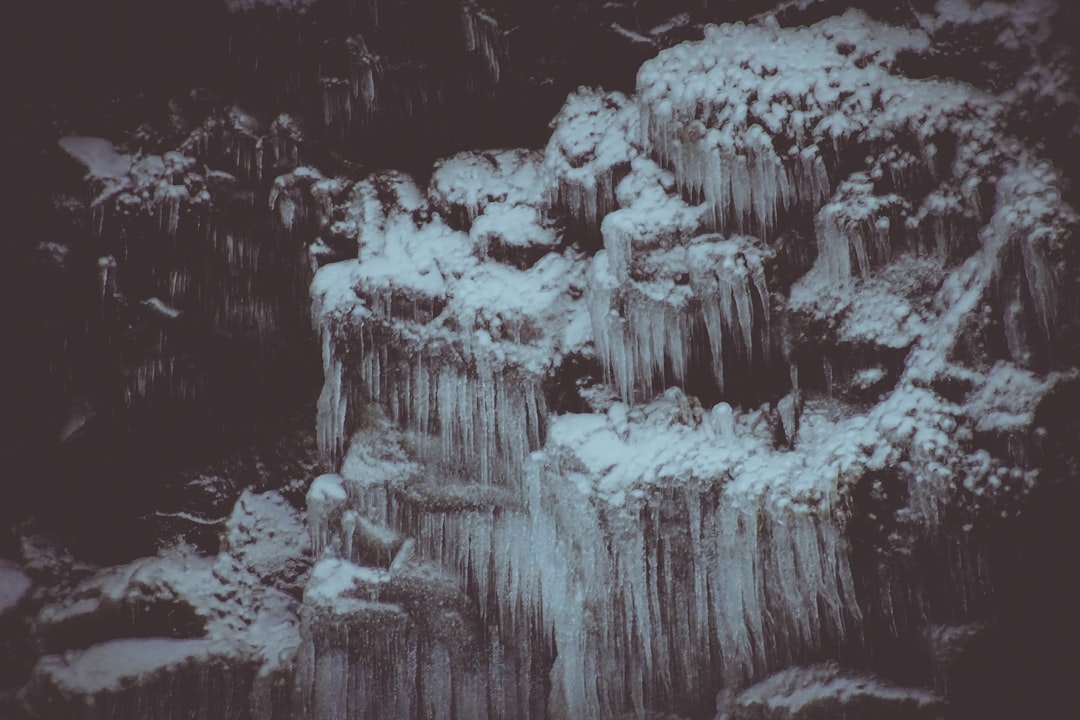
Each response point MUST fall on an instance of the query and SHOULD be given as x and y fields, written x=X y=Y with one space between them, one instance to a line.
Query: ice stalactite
x=853 y=229
x=244 y=143
x=482 y=38
x=379 y=644
x=659 y=276
x=663 y=579
x=591 y=146
x=643 y=327
x=286 y=138
x=335 y=308
x=1041 y=226
x=364 y=72
x=337 y=102
x=639 y=332
x=325 y=509
x=455 y=348
x=304 y=196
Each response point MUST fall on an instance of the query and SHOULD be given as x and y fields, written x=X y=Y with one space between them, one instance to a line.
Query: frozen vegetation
x=620 y=426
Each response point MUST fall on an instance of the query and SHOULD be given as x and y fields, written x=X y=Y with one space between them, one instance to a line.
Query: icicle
x=481 y=37
x=107 y=283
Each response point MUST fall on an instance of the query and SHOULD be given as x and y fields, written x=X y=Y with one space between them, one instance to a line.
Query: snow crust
x=474 y=180
x=109 y=665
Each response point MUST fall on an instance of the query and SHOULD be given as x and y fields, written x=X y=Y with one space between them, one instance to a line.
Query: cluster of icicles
x=696 y=584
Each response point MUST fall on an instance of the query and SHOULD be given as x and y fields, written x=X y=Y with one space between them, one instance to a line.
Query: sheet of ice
x=472 y=180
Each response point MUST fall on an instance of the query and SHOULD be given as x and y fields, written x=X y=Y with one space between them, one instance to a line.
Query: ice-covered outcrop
x=759 y=121
x=659 y=279
x=592 y=142
x=454 y=343
x=464 y=186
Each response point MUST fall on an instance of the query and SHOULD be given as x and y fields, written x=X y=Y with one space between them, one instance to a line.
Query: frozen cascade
x=486 y=559
x=680 y=531
x=710 y=110
x=659 y=276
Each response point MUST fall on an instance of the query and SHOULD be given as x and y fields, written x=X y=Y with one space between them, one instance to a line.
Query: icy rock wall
x=767 y=116
x=656 y=550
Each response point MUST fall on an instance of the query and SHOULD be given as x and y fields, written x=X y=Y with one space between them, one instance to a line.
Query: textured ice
x=482 y=37
x=474 y=180
x=451 y=344
x=644 y=326
x=591 y=145
x=713 y=111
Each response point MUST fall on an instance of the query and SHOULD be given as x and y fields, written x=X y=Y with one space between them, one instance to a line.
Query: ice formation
x=479 y=553
x=827 y=690
x=655 y=550
x=592 y=143
x=659 y=277
x=482 y=37
x=454 y=345
x=470 y=182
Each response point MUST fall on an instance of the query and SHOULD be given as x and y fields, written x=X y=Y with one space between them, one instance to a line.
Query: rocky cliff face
x=744 y=389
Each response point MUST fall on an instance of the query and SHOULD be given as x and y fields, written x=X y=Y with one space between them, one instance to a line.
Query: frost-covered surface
x=187 y=631
x=451 y=340
x=99 y=156
x=665 y=547
x=474 y=180
x=864 y=275
x=659 y=276
x=828 y=691
x=764 y=114
x=592 y=142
